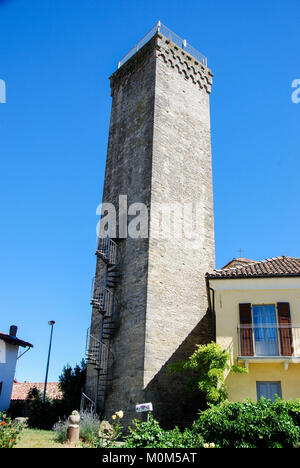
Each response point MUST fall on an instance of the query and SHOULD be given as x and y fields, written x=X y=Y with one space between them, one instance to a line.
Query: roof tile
x=271 y=267
x=20 y=390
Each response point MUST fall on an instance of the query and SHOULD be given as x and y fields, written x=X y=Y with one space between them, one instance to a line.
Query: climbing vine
x=207 y=366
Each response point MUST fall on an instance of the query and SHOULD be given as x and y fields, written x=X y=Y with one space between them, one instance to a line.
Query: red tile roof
x=21 y=389
x=271 y=267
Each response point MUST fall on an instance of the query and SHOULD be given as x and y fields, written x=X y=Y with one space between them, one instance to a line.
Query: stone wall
x=128 y=172
x=181 y=174
x=159 y=151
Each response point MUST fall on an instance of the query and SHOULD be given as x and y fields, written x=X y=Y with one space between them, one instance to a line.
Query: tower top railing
x=159 y=27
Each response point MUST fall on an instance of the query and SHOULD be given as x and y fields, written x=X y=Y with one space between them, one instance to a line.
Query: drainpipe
x=211 y=306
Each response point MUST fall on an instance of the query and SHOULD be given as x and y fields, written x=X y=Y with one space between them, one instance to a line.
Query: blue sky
x=56 y=57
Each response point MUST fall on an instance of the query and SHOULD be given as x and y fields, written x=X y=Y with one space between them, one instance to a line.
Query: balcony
x=269 y=343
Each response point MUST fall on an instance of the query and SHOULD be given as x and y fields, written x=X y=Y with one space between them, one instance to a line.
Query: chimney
x=13 y=330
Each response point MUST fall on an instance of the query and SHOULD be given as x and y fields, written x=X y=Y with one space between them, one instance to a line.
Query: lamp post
x=51 y=323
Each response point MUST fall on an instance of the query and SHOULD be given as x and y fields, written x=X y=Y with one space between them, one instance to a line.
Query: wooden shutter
x=285 y=328
x=246 y=330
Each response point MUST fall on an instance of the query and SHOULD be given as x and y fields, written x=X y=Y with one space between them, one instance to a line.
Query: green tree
x=45 y=415
x=206 y=368
x=71 y=382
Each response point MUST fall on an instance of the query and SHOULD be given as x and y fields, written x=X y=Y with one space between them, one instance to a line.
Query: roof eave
x=15 y=341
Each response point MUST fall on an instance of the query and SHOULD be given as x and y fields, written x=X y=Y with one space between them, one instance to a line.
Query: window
x=265 y=330
x=268 y=390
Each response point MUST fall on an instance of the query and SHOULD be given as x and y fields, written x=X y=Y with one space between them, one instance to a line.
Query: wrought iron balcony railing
x=268 y=340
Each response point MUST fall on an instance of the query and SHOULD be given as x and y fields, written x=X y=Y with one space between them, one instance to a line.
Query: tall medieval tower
x=149 y=294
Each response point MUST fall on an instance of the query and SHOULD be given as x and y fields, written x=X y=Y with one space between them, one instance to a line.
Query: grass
x=35 y=438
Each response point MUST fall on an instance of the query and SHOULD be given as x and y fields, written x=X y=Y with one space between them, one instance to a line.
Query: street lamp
x=51 y=323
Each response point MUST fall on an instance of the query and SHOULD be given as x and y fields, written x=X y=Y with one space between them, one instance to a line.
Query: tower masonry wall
x=181 y=176
x=128 y=172
x=159 y=152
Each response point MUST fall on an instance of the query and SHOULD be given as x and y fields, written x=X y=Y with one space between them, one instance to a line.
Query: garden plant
x=9 y=432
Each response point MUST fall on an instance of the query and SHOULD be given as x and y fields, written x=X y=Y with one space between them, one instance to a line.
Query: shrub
x=150 y=434
x=207 y=365
x=293 y=409
x=42 y=415
x=262 y=424
x=9 y=432
x=89 y=425
x=60 y=429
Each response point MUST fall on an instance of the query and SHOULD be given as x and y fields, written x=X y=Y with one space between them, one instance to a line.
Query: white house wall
x=7 y=372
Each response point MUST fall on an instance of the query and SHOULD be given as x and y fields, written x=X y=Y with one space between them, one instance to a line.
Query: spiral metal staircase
x=98 y=346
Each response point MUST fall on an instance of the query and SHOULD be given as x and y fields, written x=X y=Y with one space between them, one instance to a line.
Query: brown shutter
x=285 y=328
x=246 y=330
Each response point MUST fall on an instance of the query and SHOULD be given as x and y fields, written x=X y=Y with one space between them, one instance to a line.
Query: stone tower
x=149 y=295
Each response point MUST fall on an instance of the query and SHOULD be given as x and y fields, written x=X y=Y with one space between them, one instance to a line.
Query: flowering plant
x=9 y=432
x=108 y=433
x=117 y=427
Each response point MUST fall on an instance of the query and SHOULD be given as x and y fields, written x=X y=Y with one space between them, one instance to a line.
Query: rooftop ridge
x=243 y=262
x=279 y=266
x=255 y=262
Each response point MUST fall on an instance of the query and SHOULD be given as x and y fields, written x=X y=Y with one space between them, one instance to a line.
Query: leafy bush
x=293 y=409
x=262 y=424
x=207 y=365
x=89 y=427
x=9 y=432
x=150 y=434
x=42 y=415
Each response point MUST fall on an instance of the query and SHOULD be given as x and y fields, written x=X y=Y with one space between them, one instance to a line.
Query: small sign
x=143 y=407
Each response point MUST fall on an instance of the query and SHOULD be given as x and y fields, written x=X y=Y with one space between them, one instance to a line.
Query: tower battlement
x=177 y=57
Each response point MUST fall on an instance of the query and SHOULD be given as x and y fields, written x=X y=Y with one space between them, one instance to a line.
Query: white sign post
x=144 y=407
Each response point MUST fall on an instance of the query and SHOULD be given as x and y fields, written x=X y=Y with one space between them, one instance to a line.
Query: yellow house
x=256 y=314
